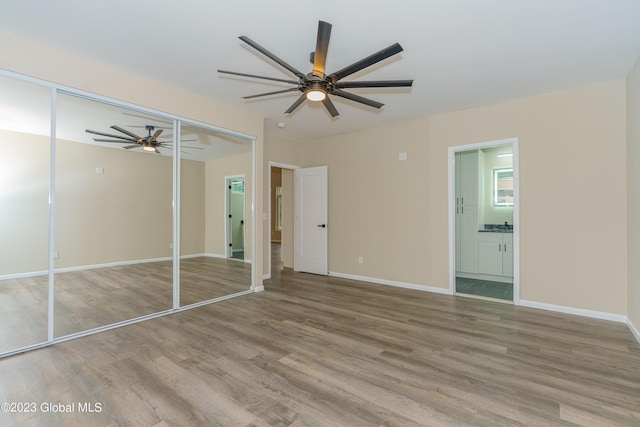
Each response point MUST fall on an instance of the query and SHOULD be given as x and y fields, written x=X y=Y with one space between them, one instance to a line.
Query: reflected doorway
x=235 y=217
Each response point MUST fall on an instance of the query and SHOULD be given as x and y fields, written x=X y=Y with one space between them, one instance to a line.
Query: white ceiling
x=460 y=53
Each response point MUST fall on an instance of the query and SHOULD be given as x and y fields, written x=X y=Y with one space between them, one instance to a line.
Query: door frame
x=513 y=142
x=271 y=165
x=227 y=210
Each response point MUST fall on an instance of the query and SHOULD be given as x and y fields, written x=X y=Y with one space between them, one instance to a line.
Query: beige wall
x=633 y=194
x=380 y=208
x=575 y=138
x=394 y=213
x=23 y=56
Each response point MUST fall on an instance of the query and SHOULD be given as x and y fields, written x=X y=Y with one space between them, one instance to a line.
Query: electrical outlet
x=402 y=156
x=56 y=255
x=360 y=260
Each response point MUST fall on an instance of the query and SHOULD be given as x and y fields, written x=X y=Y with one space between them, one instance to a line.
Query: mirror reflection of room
x=484 y=222
x=92 y=232
x=25 y=158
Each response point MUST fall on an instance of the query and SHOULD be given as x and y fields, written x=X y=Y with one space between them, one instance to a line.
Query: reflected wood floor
x=323 y=351
x=97 y=297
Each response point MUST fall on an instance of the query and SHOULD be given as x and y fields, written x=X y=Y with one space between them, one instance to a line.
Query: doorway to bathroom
x=484 y=220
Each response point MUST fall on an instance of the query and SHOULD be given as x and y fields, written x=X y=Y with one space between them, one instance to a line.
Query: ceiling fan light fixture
x=148 y=147
x=316 y=95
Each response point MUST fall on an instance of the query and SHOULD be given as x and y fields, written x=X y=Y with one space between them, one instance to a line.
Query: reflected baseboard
x=109 y=264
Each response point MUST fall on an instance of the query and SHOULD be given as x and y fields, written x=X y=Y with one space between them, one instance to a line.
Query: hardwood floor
x=322 y=351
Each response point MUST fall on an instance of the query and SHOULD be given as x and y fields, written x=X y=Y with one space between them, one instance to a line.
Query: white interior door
x=310 y=220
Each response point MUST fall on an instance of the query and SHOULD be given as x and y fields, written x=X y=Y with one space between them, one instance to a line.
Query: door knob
x=322 y=225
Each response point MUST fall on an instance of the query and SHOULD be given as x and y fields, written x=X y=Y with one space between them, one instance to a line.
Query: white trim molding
x=576 y=311
x=386 y=282
x=634 y=330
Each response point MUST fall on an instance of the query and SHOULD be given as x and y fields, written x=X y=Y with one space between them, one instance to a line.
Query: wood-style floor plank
x=322 y=351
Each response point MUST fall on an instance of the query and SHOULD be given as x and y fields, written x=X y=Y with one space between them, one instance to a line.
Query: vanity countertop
x=496 y=228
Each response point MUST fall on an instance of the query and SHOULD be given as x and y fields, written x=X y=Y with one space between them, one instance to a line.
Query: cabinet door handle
x=457 y=200
x=499 y=247
x=505 y=247
x=462 y=208
x=462 y=199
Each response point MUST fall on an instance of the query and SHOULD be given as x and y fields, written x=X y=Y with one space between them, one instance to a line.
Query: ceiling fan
x=148 y=143
x=317 y=86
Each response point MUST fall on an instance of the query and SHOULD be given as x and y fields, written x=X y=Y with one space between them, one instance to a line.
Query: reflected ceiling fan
x=148 y=143
x=317 y=86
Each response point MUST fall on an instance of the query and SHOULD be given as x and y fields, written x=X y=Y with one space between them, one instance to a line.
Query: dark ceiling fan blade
x=357 y=98
x=113 y=140
x=330 y=107
x=271 y=93
x=258 y=77
x=155 y=135
x=322 y=46
x=110 y=135
x=274 y=58
x=374 y=83
x=366 y=62
x=129 y=147
x=158 y=151
x=296 y=104
x=131 y=134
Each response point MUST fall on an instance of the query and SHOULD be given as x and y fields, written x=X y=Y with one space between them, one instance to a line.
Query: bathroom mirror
x=503 y=187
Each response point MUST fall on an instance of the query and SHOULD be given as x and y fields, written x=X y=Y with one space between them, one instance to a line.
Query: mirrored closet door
x=120 y=216
x=113 y=214
x=207 y=156
x=25 y=157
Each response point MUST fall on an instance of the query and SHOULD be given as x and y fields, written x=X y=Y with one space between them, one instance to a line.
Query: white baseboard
x=24 y=275
x=266 y=276
x=633 y=329
x=577 y=311
x=386 y=282
x=214 y=255
x=259 y=288
x=110 y=264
